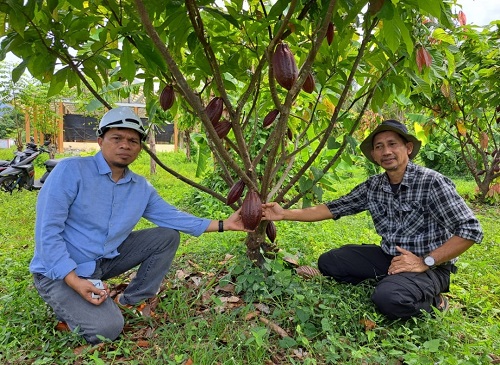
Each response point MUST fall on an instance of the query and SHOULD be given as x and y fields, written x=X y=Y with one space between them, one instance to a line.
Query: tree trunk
x=152 y=147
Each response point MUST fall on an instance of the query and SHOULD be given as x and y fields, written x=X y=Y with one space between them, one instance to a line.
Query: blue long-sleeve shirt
x=83 y=216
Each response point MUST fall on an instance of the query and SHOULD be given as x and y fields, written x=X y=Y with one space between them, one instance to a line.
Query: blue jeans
x=152 y=249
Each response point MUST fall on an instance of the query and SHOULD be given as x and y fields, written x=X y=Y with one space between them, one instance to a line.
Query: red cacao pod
x=235 y=192
x=251 y=210
x=271 y=231
x=329 y=33
x=214 y=109
x=270 y=117
x=285 y=68
x=374 y=6
x=222 y=128
x=308 y=85
x=167 y=97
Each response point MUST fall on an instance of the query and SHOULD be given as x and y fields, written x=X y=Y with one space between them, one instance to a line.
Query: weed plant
x=326 y=322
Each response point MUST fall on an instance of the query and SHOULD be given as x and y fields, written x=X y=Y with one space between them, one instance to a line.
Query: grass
x=200 y=320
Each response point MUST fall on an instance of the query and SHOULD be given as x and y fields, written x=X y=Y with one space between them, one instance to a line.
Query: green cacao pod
x=235 y=192
x=167 y=97
x=271 y=231
x=270 y=117
x=214 y=109
x=308 y=85
x=284 y=66
x=251 y=210
x=222 y=128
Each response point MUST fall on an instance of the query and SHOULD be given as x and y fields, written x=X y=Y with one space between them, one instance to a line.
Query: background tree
x=350 y=56
x=464 y=103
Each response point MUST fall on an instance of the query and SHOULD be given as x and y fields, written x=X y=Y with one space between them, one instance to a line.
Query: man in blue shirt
x=86 y=213
x=423 y=223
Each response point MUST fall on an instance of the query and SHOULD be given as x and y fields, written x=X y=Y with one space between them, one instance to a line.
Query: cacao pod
x=167 y=97
x=308 y=85
x=251 y=210
x=289 y=134
x=307 y=272
x=374 y=6
x=285 y=68
x=214 y=109
x=270 y=117
x=271 y=231
x=222 y=128
x=235 y=192
x=329 y=33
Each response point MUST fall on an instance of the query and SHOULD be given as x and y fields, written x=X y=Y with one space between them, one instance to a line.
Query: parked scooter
x=19 y=173
x=49 y=166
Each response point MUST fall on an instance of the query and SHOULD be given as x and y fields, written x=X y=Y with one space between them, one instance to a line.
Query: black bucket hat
x=394 y=126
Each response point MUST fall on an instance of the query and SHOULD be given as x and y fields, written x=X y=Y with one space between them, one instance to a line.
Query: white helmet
x=121 y=117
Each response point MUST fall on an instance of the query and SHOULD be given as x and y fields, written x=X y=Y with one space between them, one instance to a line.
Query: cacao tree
x=464 y=101
x=320 y=64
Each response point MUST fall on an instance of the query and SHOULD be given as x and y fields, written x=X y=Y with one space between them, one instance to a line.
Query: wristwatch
x=429 y=261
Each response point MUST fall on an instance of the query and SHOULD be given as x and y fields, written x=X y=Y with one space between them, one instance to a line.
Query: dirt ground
x=84 y=146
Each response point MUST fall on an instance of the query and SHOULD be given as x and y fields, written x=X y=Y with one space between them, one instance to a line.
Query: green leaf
x=441 y=35
x=127 y=62
x=18 y=71
x=58 y=81
x=431 y=7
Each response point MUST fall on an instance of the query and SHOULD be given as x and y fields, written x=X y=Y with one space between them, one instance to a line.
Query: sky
x=480 y=12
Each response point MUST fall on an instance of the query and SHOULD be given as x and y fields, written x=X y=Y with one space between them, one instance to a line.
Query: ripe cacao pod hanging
x=167 y=97
x=284 y=66
x=329 y=33
x=374 y=6
x=271 y=231
x=251 y=210
x=222 y=128
x=214 y=109
x=308 y=85
x=270 y=117
x=235 y=192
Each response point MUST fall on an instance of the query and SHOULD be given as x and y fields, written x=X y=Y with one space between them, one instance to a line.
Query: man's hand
x=272 y=212
x=234 y=222
x=406 y=262
x=85 y=288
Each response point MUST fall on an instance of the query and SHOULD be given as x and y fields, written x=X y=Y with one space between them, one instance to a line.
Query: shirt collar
x=104 y=169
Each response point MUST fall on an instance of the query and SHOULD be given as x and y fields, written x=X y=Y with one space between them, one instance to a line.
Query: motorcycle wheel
x=8 y=183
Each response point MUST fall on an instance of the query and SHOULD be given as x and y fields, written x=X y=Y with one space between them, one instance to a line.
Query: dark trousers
x=397 y=296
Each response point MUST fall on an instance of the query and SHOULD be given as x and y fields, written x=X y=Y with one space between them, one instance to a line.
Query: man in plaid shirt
x=424 y=224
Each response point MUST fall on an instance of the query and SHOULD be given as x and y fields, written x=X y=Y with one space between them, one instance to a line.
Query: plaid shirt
x=421 y=216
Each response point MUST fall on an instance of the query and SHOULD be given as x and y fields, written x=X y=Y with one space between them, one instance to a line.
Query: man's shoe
x=143 y=309
x=444 y=304
x=62 y=327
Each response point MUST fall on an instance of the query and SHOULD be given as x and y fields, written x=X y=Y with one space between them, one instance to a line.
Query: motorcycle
x=19 y=173
x=49 y=166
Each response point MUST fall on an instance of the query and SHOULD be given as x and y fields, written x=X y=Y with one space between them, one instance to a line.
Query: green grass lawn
x=216 y=309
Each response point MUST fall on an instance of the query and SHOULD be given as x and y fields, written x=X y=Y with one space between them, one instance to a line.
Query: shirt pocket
x=412 y=218
x=381 y=220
